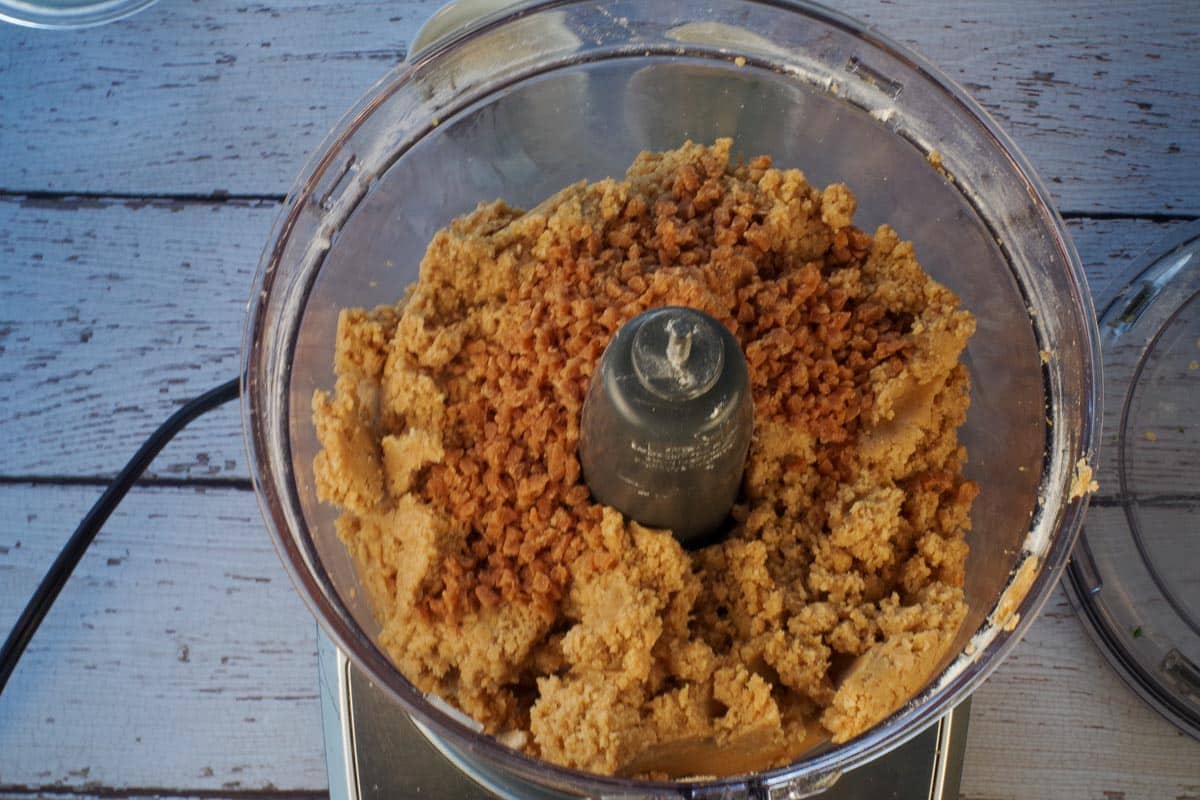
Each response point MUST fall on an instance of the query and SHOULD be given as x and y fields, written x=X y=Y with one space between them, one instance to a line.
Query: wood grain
x=113 y=313
x=1055 y=721
x=158 y=793
x=178 y=655
x=203 y=97
x=180 y=661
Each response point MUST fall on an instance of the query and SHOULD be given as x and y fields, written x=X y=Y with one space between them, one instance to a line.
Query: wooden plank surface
x=114 y=312
x=101 y=793
x=178 y=656
x=180 y=662
x=203 y=97
x=158 y=793
x=1054 y=721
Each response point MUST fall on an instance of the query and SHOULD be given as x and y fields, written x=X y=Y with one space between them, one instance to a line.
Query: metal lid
x=1135 y=573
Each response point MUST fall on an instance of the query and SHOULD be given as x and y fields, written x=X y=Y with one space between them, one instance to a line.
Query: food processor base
x=374 y=750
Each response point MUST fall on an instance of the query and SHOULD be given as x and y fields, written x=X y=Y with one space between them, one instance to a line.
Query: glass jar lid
x=1135 y=573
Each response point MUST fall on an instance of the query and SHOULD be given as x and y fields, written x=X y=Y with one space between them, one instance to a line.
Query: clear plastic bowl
x=532 y=99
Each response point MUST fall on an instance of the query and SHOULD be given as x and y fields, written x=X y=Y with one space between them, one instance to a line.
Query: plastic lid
x=68 y=13
x=1135 y=573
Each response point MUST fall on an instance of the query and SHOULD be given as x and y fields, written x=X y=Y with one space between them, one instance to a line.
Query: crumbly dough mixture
x=588 y=640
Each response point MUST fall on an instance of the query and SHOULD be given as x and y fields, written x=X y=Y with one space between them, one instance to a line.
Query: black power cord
x=48 y=590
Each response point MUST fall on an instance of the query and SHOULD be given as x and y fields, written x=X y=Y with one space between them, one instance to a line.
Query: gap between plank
x=18 y=791
x=100 y=481
x=219 y=197
x=1157 y=500
x=212 y=198
x=1170 y=216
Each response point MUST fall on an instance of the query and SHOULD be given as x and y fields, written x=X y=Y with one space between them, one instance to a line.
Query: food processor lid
x=68 y=13
x=1134 y=577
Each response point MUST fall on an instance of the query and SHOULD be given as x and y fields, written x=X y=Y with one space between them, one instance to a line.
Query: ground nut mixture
x=580 y=636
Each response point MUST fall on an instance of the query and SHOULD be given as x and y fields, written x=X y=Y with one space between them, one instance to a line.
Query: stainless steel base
x=374 y=751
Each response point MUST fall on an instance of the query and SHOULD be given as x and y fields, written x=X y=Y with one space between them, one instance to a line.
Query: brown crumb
x=581 y=637
x=1150 y=436
x=935 y=160
x=1005 y=615
x=1083 y=481
x=740 y=61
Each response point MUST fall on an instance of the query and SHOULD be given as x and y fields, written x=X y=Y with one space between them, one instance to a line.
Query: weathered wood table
x=141 y=165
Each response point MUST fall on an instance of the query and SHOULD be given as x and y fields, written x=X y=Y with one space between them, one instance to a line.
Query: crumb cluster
x=581 y=637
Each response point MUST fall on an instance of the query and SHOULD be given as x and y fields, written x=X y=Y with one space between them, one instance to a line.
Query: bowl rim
x=912 y=717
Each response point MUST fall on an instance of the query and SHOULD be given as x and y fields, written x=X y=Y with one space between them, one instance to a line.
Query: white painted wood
x=1055 y=721
x=112 y=313
x=94 y=793
x=177 y=656
x=201 y=97
x=102 y=793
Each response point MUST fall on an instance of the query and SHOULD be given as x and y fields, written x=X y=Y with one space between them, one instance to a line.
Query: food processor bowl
x=541 y=95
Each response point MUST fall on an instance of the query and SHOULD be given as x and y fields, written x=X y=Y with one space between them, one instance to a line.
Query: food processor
x=539 y=95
